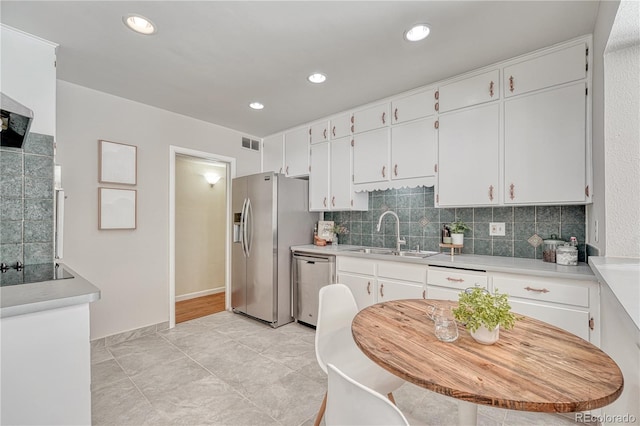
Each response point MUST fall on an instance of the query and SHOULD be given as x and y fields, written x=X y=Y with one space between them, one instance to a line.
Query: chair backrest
x=336 y=310
x=351 y=403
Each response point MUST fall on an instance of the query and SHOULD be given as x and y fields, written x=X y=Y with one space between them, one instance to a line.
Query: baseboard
x=199 y=294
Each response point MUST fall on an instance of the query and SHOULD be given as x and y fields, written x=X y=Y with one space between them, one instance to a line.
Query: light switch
x=496 y=229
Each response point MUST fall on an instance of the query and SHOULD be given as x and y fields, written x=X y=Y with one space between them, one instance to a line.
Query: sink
x=390 y=252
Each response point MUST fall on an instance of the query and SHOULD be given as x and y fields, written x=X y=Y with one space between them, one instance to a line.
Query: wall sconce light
x=212 y=178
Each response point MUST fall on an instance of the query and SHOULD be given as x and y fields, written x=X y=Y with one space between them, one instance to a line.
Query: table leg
x=467 y=413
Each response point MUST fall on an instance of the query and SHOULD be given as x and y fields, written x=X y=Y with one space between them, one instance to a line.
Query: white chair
x=351 y=403
x=335 y=345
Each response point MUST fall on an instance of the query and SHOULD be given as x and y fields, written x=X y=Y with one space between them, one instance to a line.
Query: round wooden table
x=533 y=367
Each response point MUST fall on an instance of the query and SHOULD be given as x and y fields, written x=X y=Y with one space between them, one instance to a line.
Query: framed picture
x=117 y=163
x=117 y=208
x=325 y=229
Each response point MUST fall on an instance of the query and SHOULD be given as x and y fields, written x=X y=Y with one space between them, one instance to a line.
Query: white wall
x=201 y=212
x=130 y=267
x=596 y=211
x=622 y=133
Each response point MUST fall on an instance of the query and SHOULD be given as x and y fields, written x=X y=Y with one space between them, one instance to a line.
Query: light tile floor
x=226 y=369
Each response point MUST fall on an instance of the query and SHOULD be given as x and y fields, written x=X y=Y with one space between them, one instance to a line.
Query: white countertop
x=46 y=295
x=513 y=265
x=622 y=275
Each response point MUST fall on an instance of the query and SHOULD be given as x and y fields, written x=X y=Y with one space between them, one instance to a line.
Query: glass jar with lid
x=549 y=248
x=567 y=255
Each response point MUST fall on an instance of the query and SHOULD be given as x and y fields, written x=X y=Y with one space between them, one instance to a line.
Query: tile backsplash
x=27 y=201
x=421 y=223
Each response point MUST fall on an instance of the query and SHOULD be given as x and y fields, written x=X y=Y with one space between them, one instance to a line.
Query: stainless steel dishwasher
x=310 y=273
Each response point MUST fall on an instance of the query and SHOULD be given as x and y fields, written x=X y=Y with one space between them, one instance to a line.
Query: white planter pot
x=485 y=336
x=457 y=239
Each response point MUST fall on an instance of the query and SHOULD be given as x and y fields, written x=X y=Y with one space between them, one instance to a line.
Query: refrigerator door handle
x=243 y=228
x=249 y=226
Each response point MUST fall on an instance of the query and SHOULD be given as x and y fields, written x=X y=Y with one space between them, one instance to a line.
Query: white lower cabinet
x=374 y=281
x=572 y=305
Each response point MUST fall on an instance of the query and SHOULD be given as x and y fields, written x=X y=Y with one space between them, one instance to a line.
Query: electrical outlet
x=496 y=229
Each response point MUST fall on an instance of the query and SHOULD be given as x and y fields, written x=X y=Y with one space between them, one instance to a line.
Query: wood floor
x=199 y=307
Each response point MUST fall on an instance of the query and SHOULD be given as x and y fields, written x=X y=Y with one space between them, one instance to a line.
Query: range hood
x=16 y=121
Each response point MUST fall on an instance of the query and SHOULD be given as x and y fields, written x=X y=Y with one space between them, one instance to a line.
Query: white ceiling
x=209 y=59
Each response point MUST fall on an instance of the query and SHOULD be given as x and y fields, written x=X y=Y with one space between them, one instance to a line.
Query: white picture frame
x=117 y=208
x=117 y=163
x=325 y=229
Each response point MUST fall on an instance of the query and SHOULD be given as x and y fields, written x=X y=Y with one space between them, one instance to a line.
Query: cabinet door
x=545 y=147
x=296 y=152
x=340 y=182
x=470 y=91
x=468 y=157
x=371 y=156
x=319 y=177
x=413 y=149
x=319 y=132
x=340 y=126
x=371 y=118
x=562 y=66
x=272 y=154
x=396 y=290
x=575 y=321
x=362 y=287
x=414 y=106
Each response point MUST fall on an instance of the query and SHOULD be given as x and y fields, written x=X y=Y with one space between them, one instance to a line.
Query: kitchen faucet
x=398 y=240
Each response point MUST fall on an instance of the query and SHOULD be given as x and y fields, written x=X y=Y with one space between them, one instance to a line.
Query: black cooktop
x=24 y=274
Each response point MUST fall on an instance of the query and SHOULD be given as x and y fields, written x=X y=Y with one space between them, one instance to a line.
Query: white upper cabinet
x=296 y=152
x=545 y=153
x=273 y=153
x=371 y=118
x=340 y=126
x=341 y=190
x=371 y=156
x=319 y=132
x=319 y=177
x=29 y=76
x=417 y=105
x=413 y=149
x=470 y=91
x=468 y=157
x=561 y=66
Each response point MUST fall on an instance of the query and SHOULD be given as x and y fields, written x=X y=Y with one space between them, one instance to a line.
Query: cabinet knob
x=352 y=129
x=395 y=114
x=384 y=170
x=381 y=290
x=491 y=89
x=333 y=131
x=511 y=84
x=512 y=191
x=325 y=202
x=437 y=95
x=436 y=124
x=537 y=290
x=384 y=117
x=352 y=119
x=490 y=192
x=395 y=170
x=287 y=170
x=424 y=294
x=437 y=106
x=333 y=201
x=324 y=133
x=369 y=287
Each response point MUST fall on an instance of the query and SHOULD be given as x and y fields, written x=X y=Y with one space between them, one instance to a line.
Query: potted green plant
x=483 y=313
x=338 y=230
x=457 y=229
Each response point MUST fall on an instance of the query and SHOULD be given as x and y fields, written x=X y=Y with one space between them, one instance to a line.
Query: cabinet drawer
x=371 y=118
x=456 y=278
x=540 y=289
x=470 y=91
x=356 y=266
x=319 y=132
x=402 y=272
x=549 y=70
x=414 y=106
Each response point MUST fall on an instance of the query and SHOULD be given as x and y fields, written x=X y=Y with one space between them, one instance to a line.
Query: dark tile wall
x=420 y=224
x=26 y=201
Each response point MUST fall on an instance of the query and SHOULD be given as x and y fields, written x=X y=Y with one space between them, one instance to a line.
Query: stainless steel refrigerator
x=270 y=214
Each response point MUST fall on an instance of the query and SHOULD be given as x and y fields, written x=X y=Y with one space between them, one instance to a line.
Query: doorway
x=200 y=195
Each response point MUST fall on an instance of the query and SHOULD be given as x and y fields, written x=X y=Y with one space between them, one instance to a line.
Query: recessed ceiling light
x=417 y=32
x=317 y=77
x=139 y=24
x=256 y=105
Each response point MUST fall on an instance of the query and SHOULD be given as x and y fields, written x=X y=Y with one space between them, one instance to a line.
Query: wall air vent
x=251 y=144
